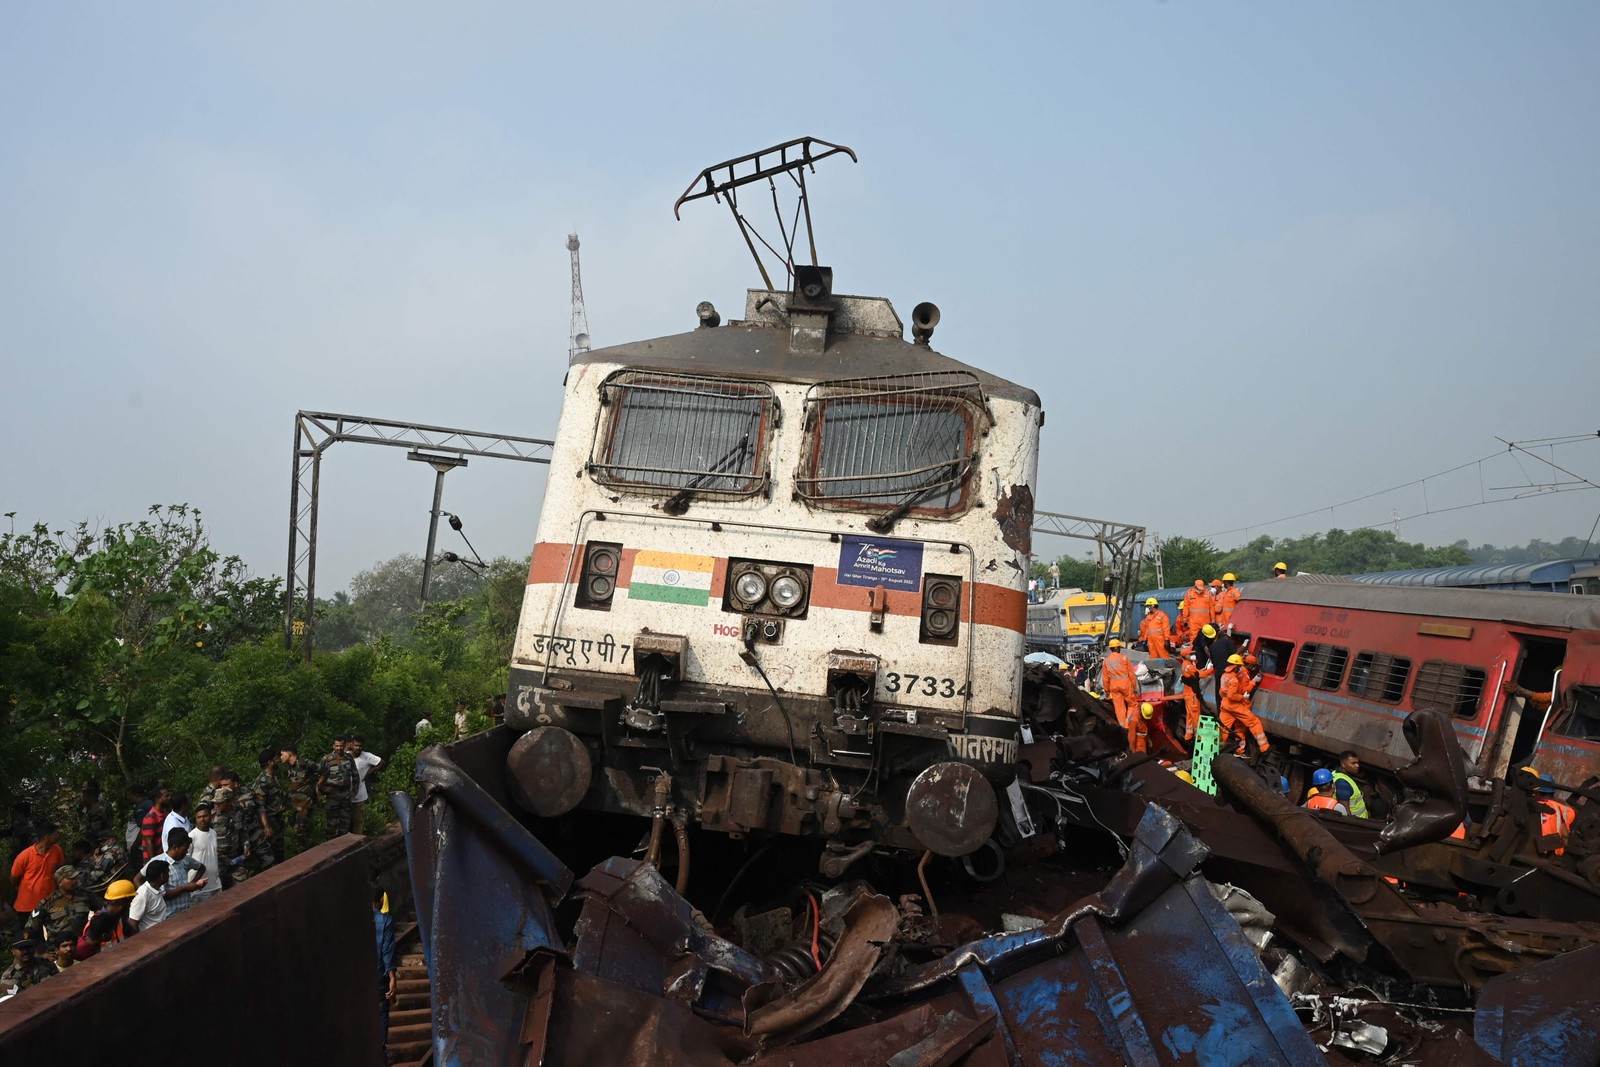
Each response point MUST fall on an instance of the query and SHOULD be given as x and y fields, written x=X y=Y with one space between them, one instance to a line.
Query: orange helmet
x=1251 y=661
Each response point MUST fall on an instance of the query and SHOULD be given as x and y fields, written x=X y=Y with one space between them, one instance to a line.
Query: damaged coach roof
x=1541 y=609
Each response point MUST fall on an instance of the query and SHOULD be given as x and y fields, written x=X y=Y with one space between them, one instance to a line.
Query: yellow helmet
x=121 y=889
x=1229 y=577
x=1236 y=659
x=1151 y=602
x=1114 y=643
x=1209 y=630
x=1186 y=776
x=1280 y=566
x=1147 y=710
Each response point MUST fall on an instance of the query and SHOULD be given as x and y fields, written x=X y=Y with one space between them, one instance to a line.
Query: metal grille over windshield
x=904 y=442
x=683 y=434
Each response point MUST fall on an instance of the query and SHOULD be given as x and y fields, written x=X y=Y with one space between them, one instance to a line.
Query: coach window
x=1273 y=655
x=1579 y=714
x=1379 y=676
x=682 y=436
x=1450 y=687
x=1320 y=666
x=897 y=445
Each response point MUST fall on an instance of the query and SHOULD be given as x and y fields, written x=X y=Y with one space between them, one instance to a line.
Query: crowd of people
x=171 y=854
x=1201 y=640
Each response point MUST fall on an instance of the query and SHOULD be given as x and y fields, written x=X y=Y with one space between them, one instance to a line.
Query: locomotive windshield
x=905 y=443
x=683 y=434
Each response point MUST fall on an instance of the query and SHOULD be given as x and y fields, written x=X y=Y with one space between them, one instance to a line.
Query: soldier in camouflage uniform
x=209 y=793
x=230 y=841
x=338 y=788
x=299 y=778
x=26 y=968
x=107 y=863
x=270 y=793
x=254 y=829
x=94 y=814
x=61 y=915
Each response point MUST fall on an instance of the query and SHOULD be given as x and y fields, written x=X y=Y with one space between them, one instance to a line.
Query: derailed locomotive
x=778 y=583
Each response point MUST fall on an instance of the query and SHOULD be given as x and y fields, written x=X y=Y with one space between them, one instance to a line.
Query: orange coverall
x=1155 y=630
x=1555 y=818
x=1191 y=698
x=1226 y=603
x=1195 y=611
x=1116 y=674
x=1138 y=733
x=1236 y=709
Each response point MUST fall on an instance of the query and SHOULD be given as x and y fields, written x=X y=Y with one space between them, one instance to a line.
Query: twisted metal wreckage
x=1239 y=928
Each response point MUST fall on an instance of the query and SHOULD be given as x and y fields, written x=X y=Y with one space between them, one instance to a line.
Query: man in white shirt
x=365 y=763
x=185 y=875
x=203 y=850
x=178 y=815
x=149 y=906
x=424 y=724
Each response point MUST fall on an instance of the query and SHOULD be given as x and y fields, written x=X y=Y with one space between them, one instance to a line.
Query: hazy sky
x=1256 y=259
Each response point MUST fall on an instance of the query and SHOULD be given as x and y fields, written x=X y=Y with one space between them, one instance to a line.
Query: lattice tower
x=578 y=338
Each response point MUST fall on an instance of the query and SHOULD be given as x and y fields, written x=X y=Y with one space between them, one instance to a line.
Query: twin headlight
x=768 y=588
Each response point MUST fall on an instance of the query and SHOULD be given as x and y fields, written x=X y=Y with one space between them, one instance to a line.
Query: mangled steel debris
x=1151 y=969
x=1358 y=938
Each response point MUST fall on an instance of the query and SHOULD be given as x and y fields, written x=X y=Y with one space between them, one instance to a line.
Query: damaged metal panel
x=1547 y=1015
x=1151 y=970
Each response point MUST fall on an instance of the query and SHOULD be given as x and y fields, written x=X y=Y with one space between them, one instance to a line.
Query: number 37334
x=925 y=685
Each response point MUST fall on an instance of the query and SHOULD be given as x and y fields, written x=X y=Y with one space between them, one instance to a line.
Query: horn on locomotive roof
x=720 y=181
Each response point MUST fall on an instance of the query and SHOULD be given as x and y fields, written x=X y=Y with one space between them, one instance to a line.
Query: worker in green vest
x=1349 y=765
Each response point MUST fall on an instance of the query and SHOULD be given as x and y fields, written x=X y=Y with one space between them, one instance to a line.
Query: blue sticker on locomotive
x=873 y=561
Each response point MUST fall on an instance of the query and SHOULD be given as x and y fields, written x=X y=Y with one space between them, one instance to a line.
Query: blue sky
x=1255 y=259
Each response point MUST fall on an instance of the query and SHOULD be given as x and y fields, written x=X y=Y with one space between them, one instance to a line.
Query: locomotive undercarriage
x=744 y=761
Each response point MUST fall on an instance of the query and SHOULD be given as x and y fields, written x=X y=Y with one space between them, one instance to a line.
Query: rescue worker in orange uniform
x=1320 y=797
x=1236 y=710
x=1116 y=677
x=1195 y=611
x=1227 y=601
x=1192 y=704
x=1215 y=591
x=1252 y=675
x=1280 y=570
x=1555 y=818
x=1139 y=728
x=1155 y=629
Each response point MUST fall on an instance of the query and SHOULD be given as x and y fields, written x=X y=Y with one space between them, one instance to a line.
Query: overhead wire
x=1512 y=448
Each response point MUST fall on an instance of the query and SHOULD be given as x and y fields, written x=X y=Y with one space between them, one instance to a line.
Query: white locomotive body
x=779 y=580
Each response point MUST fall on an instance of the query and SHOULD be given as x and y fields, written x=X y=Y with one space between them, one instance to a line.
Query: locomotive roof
x=1560 y=610
x=864 y=341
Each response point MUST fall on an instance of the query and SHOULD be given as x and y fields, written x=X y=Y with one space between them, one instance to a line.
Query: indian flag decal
x=672 y=578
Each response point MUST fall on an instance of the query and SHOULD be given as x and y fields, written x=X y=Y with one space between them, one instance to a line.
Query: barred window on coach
x=904 y=440
x=669 y=432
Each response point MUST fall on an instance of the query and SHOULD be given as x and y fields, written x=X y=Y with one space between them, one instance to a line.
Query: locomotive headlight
x=750 y=587
x=787 y=592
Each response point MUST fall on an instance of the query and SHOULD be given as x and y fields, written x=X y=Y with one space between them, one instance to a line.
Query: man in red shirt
x=151 y=843
x=33 y=870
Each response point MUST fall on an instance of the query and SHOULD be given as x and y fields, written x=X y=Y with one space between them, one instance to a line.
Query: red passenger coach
x=1344 y=663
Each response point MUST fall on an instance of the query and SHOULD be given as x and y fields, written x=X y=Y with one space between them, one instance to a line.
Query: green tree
x=118 y=615
x=1183 y=559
